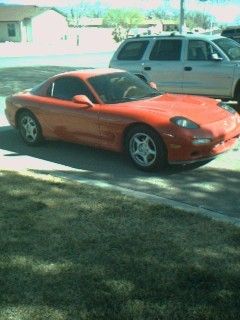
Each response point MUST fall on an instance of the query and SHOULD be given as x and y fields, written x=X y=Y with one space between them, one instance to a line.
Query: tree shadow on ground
x=20 y=78
x=213 y=185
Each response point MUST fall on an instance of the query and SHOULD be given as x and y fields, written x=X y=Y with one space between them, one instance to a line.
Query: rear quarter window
x=166 y=49
x=133 y=50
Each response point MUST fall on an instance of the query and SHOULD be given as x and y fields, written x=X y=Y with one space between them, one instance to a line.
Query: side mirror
x=153 y=85
x=215 y=57
x=82 y=100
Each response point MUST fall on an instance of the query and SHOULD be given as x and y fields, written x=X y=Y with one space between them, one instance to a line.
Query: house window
x=11 y=30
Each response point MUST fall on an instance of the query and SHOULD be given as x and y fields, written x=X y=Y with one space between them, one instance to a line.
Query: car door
x=164 y=65
x=67 y=119
x=202 y=74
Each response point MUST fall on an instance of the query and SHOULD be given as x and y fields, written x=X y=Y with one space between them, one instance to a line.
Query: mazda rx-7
x=115 y=110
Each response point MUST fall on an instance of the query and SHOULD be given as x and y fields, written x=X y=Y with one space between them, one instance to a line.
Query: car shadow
x=82 y=157
x=73 y=155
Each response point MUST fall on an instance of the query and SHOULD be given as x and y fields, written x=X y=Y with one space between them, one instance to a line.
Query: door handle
x=187 y=68
x=147 y=68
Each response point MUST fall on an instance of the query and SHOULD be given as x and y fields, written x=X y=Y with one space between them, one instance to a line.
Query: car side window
x=133 y=50
x=67 y=87
x=166 y=50
x=199 y=50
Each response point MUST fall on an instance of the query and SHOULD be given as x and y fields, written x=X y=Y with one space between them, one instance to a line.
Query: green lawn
x=71 y=251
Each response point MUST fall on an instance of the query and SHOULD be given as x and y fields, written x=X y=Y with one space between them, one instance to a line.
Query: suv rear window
x=166 y=49
x=233 y=33
x=228 y=32
x=133 y=50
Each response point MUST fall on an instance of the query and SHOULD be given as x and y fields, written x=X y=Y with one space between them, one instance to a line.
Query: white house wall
x=48 y=27
x=4 y=32
x=88 y=38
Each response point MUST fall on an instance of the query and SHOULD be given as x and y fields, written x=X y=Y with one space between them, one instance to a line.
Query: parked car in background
x=115 y=110
x=232 y=32
x=192 y=63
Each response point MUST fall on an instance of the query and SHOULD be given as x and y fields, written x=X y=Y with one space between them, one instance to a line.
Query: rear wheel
x=238 y=97
x=145 y=148
x=237 y=93
x=29 y=128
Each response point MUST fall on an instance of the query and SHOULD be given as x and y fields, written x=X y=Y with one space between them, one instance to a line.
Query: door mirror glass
x=216 y=57
x=82 y=100
x=153 y=85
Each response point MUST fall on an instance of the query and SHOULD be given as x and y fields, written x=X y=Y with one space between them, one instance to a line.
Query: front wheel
x=29 y=128
x=146 y=149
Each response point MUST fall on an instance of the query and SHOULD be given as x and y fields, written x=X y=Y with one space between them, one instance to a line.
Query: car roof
x=177 y=36
x=87 y=73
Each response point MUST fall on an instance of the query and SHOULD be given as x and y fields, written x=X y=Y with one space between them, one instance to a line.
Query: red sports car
x=115 y=110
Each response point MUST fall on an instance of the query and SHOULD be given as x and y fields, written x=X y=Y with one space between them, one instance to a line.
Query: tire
x=238 y=97
x=29 y=128
x=145 y=148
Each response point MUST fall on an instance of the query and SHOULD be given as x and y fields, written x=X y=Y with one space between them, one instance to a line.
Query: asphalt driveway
x=213 y=185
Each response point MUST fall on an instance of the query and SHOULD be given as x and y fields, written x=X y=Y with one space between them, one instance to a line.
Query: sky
x=224 y=11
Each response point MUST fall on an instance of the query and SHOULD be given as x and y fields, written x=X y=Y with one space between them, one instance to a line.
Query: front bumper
x=216 y=151
x=222 y=139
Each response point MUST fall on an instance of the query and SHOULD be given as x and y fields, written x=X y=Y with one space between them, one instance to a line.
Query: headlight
x=184 y=123
x=226 y=106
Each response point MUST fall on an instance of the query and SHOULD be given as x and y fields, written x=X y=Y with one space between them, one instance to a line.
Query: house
x=28 y=23
x=86 y=22
x=170 y=25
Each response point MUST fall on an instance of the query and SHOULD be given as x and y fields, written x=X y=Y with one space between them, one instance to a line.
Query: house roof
x=19 y=12
x=169 y=22
x=85 y=21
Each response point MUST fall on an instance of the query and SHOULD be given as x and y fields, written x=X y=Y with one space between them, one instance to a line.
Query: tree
x=122 y=20
x=84 y=9
x=198 y=19
x=162 y=13
x=237 y=20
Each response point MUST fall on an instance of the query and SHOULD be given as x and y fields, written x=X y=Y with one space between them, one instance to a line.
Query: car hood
x=196 y=108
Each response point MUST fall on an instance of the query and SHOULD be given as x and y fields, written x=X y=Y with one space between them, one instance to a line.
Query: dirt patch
x=20 y=78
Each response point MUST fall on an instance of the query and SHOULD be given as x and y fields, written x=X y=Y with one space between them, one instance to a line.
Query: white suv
x=191 y=63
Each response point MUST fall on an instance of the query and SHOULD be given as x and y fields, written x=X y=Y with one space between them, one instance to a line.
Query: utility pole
x=181 y=22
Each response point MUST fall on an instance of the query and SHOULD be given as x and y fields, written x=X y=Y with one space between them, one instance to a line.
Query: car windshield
x=230 y=47
x=121 y=87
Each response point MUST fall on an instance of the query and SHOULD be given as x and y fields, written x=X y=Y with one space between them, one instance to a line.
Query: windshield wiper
x=126 y=99
x=150 y=95
x=154 y=94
